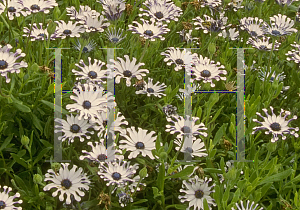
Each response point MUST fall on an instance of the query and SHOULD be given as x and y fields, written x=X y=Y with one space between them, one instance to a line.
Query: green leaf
x=19 y=160
x=161 y=176
x=19 y=105
x=205 y=204
x=140 y=201
x=276 y=177
x=41 y=155
x=6 y=142
x=21 y=183
x=37 y=122
x=47 y=127
x=184 y=172
x=220 y=133
x=46 y=143
x=236 y=196
x=212 y=170
x=155 y=192
x=51 y=105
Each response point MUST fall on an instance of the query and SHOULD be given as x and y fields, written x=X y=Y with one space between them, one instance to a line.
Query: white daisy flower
x=277 y=125
x=91 y=72
x=253 y=26
x=117 y=173
x=263 y=74
x=181 y=129
x=279 y=25
x=153 y=89
x=178 y=57
x=35 y=6
x=232 y=34
x=88 y=47
x=99 y=152
x=72 y=128
x=197 y=149
x=187 y=91
x=37 y=32
x=89 y=102
x=187 y=36
x=69 y=182
x=236 y=5
x=113 y=9
x=7 y=202
x=14 y=8
x=149 y=31
x=138 y=142
x=207 y=70
x=68 y=29
x=170 y=110
x=8 y=61
x=294 y=54
x=82 y=13
x=196 y=190
x=263 y=44
x=127 y=69
x=94 y=24
x=125 y=198
x=285 y=2
x=247 y=208
x=115 y=36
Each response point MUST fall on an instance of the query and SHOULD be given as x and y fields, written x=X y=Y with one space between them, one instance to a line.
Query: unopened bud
x=37 y=179
x=25 y=140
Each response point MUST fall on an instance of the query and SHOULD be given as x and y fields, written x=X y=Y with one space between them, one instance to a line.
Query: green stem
x=0 y=87
x=269 y=63
x=146 y=46
x=29 y=36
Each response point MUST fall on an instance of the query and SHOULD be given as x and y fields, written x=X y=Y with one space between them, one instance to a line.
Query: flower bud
x=25 y=140
x=55 y=166
x=51 y=27
x=37 y=179
x=143 y=173
x=42 y=195
x=211 y=48
x=163 y=155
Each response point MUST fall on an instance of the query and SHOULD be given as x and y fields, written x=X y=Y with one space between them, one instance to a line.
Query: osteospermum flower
x=91 y=72
x=37 y=32
x=178 y=57
x=138 y=142
x=35 y=6
x=68 y=29
x=187 y=91
x=263 y=74
x=263 y=44
x=149 y=31
x=14 y=8
x=235 y=4
x=207 y=70
x=117 y=173
x=94 y=24
x=153 y=89
x=294 y=54
x=127 y=69
x=6 y=201
x=113 y=9
x=195 y=191
x=72 y=128
x=69 y=182
x=187 y=36
x=197 y=149
x=8 y=61
x=241 y=207
x=277 y=125
x=88 y=47
x=253 y=26
x=161 y=11
x=182 y=129
x=285 y=2
x=99 y=152
x=115 y=36
x=90 y=99
x=83 y=12
x=170 y=110
x=279 y=25
x=232 y=34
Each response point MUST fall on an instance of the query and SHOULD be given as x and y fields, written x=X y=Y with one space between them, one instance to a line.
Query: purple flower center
x=87 y=105
x=2 y=205
x=75 y=128
x=159 y=15
x=102 y=157
x=150 y=90
x=199 y=194
x=148 y=32
x=42 y=35
x=186 y=129
x=276 y=33
x=67 y=32
x=11 y=9
x=3 y=64
x=275 y=126
x=127 y=73
x=189 y=149
x=35 y=7
x=179 y=61
x=140 y=145
x=66 y=183
x=115 y=40
x=253 y=33
x=205 y=73
x=116 y=176
x=92 y=74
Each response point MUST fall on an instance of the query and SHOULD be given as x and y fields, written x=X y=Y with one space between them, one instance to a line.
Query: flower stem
x=269 y=63
x=145 y=48
x=29 y=36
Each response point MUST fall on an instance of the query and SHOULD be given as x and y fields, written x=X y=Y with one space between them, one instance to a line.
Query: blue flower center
x=102 y=157
x=2 y=205
x=148 y=32
x=179 y=61
x=67 y=32
x=85 y=49
x=199 y=194
x=127 y=73
x=186 y=129
x=92 y=74
x=42 y=35
x=11 y=9
x=253 y=33
x=275 y=126
x=150 y=90
x=159 y=15
x=75 y=128
x=116 y=176
x=276 y=33
x=205 y=73
x=104 y=123
x=263 y=47
x=35 y=7
x=115 y=40
x=140 y=145
x=189 y=149
x=3 y=64
x=87 y=105
x=66 y=183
